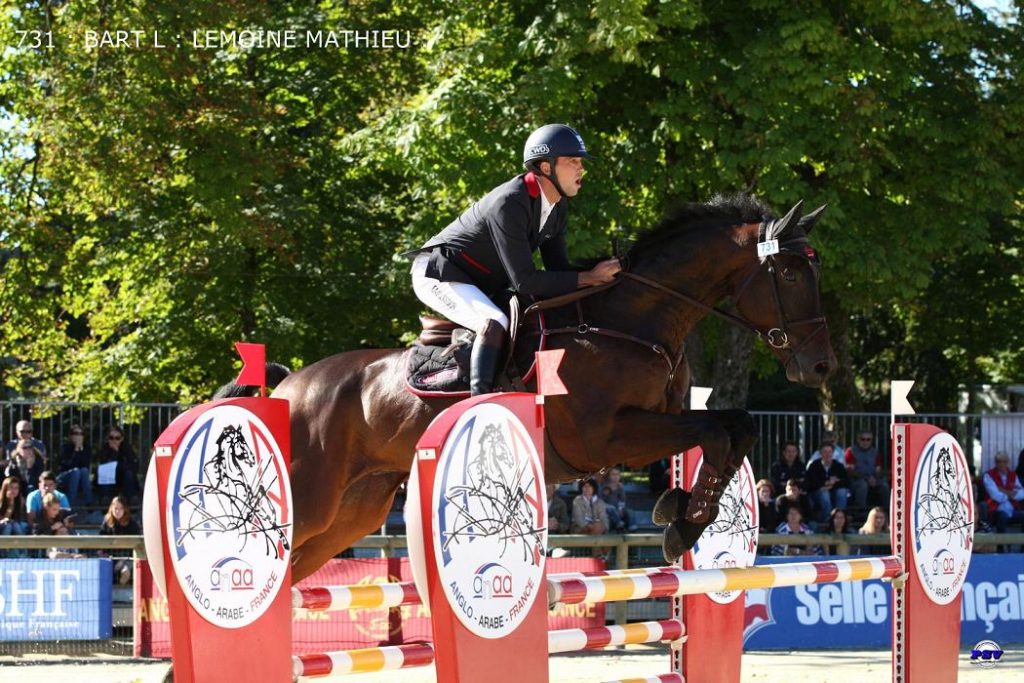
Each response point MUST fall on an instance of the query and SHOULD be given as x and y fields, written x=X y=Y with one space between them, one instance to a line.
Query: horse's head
x=780 y=298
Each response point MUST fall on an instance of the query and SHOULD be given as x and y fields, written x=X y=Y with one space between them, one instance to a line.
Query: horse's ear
x=780 y=226
x=808 y=221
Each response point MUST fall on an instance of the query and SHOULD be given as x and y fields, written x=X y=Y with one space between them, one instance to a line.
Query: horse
x=354 y=426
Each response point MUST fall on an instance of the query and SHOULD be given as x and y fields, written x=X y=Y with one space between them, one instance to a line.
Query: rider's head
x=556 y=152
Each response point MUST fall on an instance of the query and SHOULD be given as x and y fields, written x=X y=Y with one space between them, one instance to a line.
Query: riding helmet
x=553 y=140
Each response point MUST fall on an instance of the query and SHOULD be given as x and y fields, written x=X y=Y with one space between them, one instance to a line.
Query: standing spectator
x=27 y=463
x=589 y=512
x=876 y=523
x=838 y=525
x=794 y=525
x=23 y=430
x=828 y=484
x=613 y=493
x=1004 y=494
x=789 y=466
x=793 y=497
x=75 y=462
x=55 y=520
x=768 y=515
x=47 y=485
x=829 y=437
x=13 y=518
x=867 y=480
x=116 y=449
x=119 y=522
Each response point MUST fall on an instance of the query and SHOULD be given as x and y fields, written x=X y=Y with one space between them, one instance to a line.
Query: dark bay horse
x=354 y=425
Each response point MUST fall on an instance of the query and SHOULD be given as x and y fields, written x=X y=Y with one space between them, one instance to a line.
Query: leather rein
x=776 y=337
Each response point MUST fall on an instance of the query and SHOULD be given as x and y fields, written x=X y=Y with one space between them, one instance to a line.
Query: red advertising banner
x=314 y=632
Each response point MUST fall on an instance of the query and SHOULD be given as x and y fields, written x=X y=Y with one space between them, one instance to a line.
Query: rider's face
x=569 y=171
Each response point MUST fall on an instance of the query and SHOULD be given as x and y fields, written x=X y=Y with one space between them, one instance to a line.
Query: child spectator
x=793 y=497
x=768 y=515
x=794 y=525
x=828 y=484
x=613 y=493
x=47 y=485
x=13 y=518
x=876 y=523
x=55 y=520
x=838 y=525
x=789 y=466
x=589 y=512
x=75 y=462
x=119 y=522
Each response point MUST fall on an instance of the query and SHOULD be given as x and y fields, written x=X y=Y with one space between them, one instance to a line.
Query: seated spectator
x=589 y=512
x=839 y=526
x=23 y=430
x=55 y=520
x=47 y=485
x=558 y=512
x=864 y=464
x=13 y=518
x=768 y=517
x=789 y=466
x=876 y=523
x=613 y=493
x=1004 y=494
x=73 y=476
x=793 y=497
x=828 y=484
x=829 y=437
x=116 y=450
x=119 y=522
x=794 y=525
x=27 y=463
x=659 y=476
x=981 y=527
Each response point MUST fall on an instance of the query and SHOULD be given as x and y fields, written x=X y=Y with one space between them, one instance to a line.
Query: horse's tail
x=275 y=375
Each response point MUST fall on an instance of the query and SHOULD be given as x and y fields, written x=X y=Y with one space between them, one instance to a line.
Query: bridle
x=777 y=337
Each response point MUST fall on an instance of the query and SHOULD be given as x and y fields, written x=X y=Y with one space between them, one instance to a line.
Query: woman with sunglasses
x=116 y=449
x=74 y=468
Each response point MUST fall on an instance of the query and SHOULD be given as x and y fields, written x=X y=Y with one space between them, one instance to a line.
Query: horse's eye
x=788 y=274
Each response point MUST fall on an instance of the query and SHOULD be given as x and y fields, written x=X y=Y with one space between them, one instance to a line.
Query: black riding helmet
x=551 y=141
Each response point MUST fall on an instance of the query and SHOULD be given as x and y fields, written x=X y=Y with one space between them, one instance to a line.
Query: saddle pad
x=438 y=370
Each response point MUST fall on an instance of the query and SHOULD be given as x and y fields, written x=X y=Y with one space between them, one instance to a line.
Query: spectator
x=13 y=518
x=789 y=466
x=793 y=497
x=119 y=522
x=23 y=430
x=1004 y=494
x=558 y=512
x=981 y=527
x=126 y=480
x=876 y=523
x=47 y=485
x=55 y=520
x=766 y=511
x=838 y=526
x=589 y=512
x=794 y=525
x=75 y=463
x=27 y=463
x=659 y=476
x=613 y=493
x=868 y=482
x=828 y=484
x=829 y=437
x=1020 y=465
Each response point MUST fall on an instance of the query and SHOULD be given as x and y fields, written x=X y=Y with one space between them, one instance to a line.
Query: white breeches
x=460 y=302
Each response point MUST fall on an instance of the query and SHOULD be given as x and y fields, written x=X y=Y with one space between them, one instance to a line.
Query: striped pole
x=677 y=582
x=371 y=596
x=663 y=678
x=362 y=661
x=638 y=571
x=576 y=639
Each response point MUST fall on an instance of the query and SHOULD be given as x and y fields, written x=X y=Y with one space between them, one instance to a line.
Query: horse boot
x=483 y=361
x=701 y=509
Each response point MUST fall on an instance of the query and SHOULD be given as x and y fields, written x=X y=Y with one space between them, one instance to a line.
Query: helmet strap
x=551 y=176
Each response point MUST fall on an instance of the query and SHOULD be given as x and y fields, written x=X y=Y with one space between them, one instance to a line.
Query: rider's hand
x=601 y=273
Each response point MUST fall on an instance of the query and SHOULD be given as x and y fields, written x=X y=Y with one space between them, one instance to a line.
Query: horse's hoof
x=670 y=506
x=679 y=537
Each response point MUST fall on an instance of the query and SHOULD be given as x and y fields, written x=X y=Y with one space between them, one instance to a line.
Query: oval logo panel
x=942 y=519
x=229 y=509
x=490 y=515
x=731 y=540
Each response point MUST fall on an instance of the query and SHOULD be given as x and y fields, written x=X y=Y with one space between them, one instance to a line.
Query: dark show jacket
x=491 y=244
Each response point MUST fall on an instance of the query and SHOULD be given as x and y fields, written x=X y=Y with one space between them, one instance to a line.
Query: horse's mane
x=723 y=209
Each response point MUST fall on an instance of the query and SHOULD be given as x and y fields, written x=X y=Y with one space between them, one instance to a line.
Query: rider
x=489 y=248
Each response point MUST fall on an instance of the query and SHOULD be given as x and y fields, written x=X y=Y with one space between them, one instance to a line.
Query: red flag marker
x=548 y=381
x=254 y=366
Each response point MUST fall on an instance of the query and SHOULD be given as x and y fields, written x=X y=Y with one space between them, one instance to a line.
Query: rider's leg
x=483 y=363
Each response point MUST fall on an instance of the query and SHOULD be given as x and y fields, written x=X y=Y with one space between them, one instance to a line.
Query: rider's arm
x=509 y=228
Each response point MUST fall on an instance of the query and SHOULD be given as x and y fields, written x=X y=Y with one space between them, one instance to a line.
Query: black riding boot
x=483 y=363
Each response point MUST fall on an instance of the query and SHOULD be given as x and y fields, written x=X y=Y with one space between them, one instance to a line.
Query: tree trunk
x=839 y=393
x=731 y=373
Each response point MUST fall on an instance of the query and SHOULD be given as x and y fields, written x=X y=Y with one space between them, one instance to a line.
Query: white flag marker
x=699 y=397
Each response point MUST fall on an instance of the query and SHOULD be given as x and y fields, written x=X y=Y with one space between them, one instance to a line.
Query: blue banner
x=857 y=614
x=55 y=599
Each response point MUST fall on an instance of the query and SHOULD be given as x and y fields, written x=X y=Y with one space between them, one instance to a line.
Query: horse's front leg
x=639 y=437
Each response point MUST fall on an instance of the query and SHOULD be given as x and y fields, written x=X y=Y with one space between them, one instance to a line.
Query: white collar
x=545 y=208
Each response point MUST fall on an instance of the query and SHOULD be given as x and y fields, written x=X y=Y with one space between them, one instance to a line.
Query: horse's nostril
x=821 y=368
